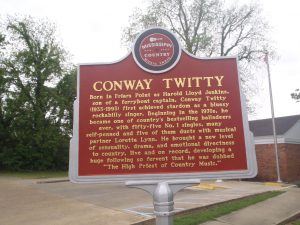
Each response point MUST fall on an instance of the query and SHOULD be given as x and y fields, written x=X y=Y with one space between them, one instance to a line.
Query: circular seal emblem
x=156 y=50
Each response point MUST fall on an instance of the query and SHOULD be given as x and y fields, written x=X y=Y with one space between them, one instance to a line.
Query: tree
x=62 y=108
x=3 y=121
x=296 y=95
x=208 y=28
x=33 y=63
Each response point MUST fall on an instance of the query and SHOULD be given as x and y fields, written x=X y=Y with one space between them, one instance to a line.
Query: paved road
x=28 y=202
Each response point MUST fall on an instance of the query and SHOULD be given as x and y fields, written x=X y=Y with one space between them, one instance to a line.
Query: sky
x=91 y=31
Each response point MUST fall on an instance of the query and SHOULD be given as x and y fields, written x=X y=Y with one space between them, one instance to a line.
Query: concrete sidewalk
x=272 y=211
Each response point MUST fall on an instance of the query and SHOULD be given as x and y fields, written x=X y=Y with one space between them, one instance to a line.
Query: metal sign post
x=163 y=196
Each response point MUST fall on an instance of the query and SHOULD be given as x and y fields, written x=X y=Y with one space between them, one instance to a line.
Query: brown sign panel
x=160 y=113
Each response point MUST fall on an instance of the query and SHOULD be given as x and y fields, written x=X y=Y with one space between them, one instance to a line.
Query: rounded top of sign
x=156 y=50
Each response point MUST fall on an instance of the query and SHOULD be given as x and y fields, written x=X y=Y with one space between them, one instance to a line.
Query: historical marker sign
x=160 y=113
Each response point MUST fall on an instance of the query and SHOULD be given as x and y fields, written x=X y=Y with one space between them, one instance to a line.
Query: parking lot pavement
x=60 y=203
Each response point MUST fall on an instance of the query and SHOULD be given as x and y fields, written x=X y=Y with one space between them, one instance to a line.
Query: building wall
x=289 y=158
x=292 y=162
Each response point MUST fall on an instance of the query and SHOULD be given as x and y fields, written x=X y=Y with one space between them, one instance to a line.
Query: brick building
x=288 y=139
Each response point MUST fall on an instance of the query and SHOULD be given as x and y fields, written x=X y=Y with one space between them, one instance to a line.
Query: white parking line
x=144 y=214
x=138 y=210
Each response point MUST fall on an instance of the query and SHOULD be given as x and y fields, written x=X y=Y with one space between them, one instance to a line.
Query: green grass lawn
x=223 y=209
x=34 y=175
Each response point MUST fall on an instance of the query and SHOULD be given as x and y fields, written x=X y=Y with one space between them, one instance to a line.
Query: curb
x=290 y=218
x=52 y=181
